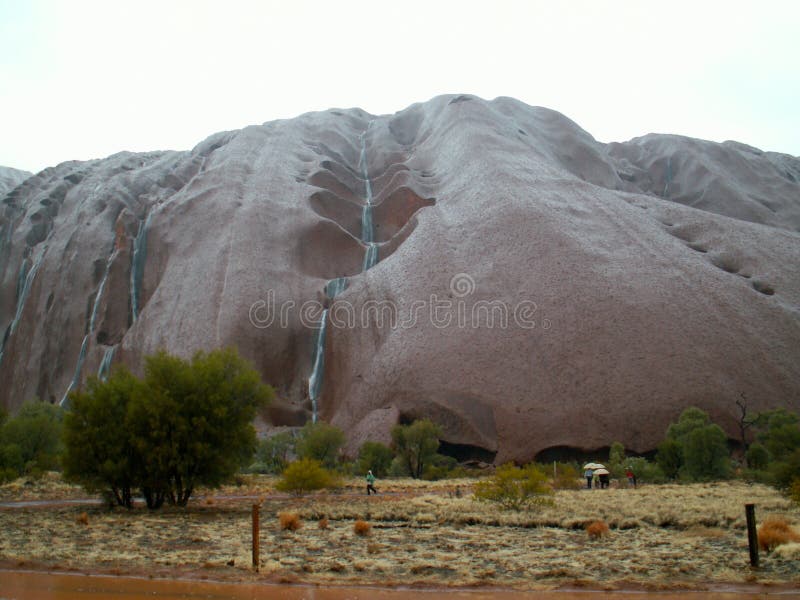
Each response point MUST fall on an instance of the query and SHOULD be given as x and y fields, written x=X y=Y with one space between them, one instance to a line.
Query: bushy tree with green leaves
x=515 y=488
x=415 y=445
x=375 y=457
x=695 y=448
x=777 y=451
x=669 y=457
x=705 y=453
x=185 y=424
x=779 y=432
x=320 y=441
x=100 y=454
x=757 y=456
x=616 y=454
x=30 y=441
x=273 y=452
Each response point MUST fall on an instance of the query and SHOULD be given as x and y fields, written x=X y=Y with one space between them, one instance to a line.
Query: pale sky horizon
x=85 y=79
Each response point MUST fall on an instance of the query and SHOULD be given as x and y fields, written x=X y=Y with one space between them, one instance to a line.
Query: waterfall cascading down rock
x=367 y=228
x=77 y=376
x=370 y=256
x=105 y=364
x=335 y=287
x=137 y=264
x=318 y=368
x=366 y=224
x=92 y=320
x=24 y=282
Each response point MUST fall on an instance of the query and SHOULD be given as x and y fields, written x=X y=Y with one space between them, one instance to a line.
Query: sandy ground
x=426 y=534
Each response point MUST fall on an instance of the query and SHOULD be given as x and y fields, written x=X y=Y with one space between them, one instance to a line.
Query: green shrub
x=305 y=475
x=670 y=458
x=695 y=448
x=187 y=423
x=645 y=471
x=272 y=454
x=567 y=477
x=375 y=457
x=515 y=488
x=320 y=441
x=757 y=457
x=416 y=445
x=440 y=467
x=705 y=454
x=779 y=432
x=783 y=472
x=30 y=441
x=616 y=454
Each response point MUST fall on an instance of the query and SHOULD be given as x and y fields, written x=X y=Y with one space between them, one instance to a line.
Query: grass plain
x=431 y=534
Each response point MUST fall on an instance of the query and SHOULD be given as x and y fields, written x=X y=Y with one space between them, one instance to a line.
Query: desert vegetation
x=425 y=532
x=185 y=424
x=180 y=436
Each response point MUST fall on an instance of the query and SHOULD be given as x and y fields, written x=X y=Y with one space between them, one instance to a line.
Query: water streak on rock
x=137 y=265
x=315 y=380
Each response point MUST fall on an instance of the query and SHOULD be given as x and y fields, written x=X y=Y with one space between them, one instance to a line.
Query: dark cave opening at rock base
x=465 y=453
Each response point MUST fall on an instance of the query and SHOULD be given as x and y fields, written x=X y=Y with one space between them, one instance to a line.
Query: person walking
x=588 y=473
x=371 y=483
x=631 y=476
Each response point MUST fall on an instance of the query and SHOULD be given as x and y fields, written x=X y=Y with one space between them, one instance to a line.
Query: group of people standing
x=598 y=476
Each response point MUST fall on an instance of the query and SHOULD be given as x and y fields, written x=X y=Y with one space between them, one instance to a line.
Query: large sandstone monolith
x=534 y=291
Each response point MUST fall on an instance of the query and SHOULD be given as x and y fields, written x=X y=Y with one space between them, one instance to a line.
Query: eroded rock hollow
x=485 y=264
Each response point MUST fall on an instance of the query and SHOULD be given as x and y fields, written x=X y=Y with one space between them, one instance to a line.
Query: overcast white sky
x=84 y=79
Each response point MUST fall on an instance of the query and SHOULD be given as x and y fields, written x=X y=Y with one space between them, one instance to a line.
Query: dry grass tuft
x=362 y=528
x=775 y=531
x=290 y=521
x=790 y=551
x=323 y=523
x=83 y=519
x=597 y=529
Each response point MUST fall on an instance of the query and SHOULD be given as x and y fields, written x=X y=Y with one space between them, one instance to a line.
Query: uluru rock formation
x=11 y=178
x=485 y=264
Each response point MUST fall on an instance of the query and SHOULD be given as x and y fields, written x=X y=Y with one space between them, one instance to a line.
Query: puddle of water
x=46 y=586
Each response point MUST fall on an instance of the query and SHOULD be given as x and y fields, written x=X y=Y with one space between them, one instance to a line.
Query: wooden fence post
x=752 y=535
x=256 y=535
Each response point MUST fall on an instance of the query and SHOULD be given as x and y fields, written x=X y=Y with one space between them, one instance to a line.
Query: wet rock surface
x=532 y=288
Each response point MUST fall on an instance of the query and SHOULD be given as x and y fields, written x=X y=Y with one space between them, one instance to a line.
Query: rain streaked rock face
x=485 y=264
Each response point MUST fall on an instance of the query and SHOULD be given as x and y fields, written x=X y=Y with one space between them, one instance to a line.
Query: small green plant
x=305 y=475
x=515 y=488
